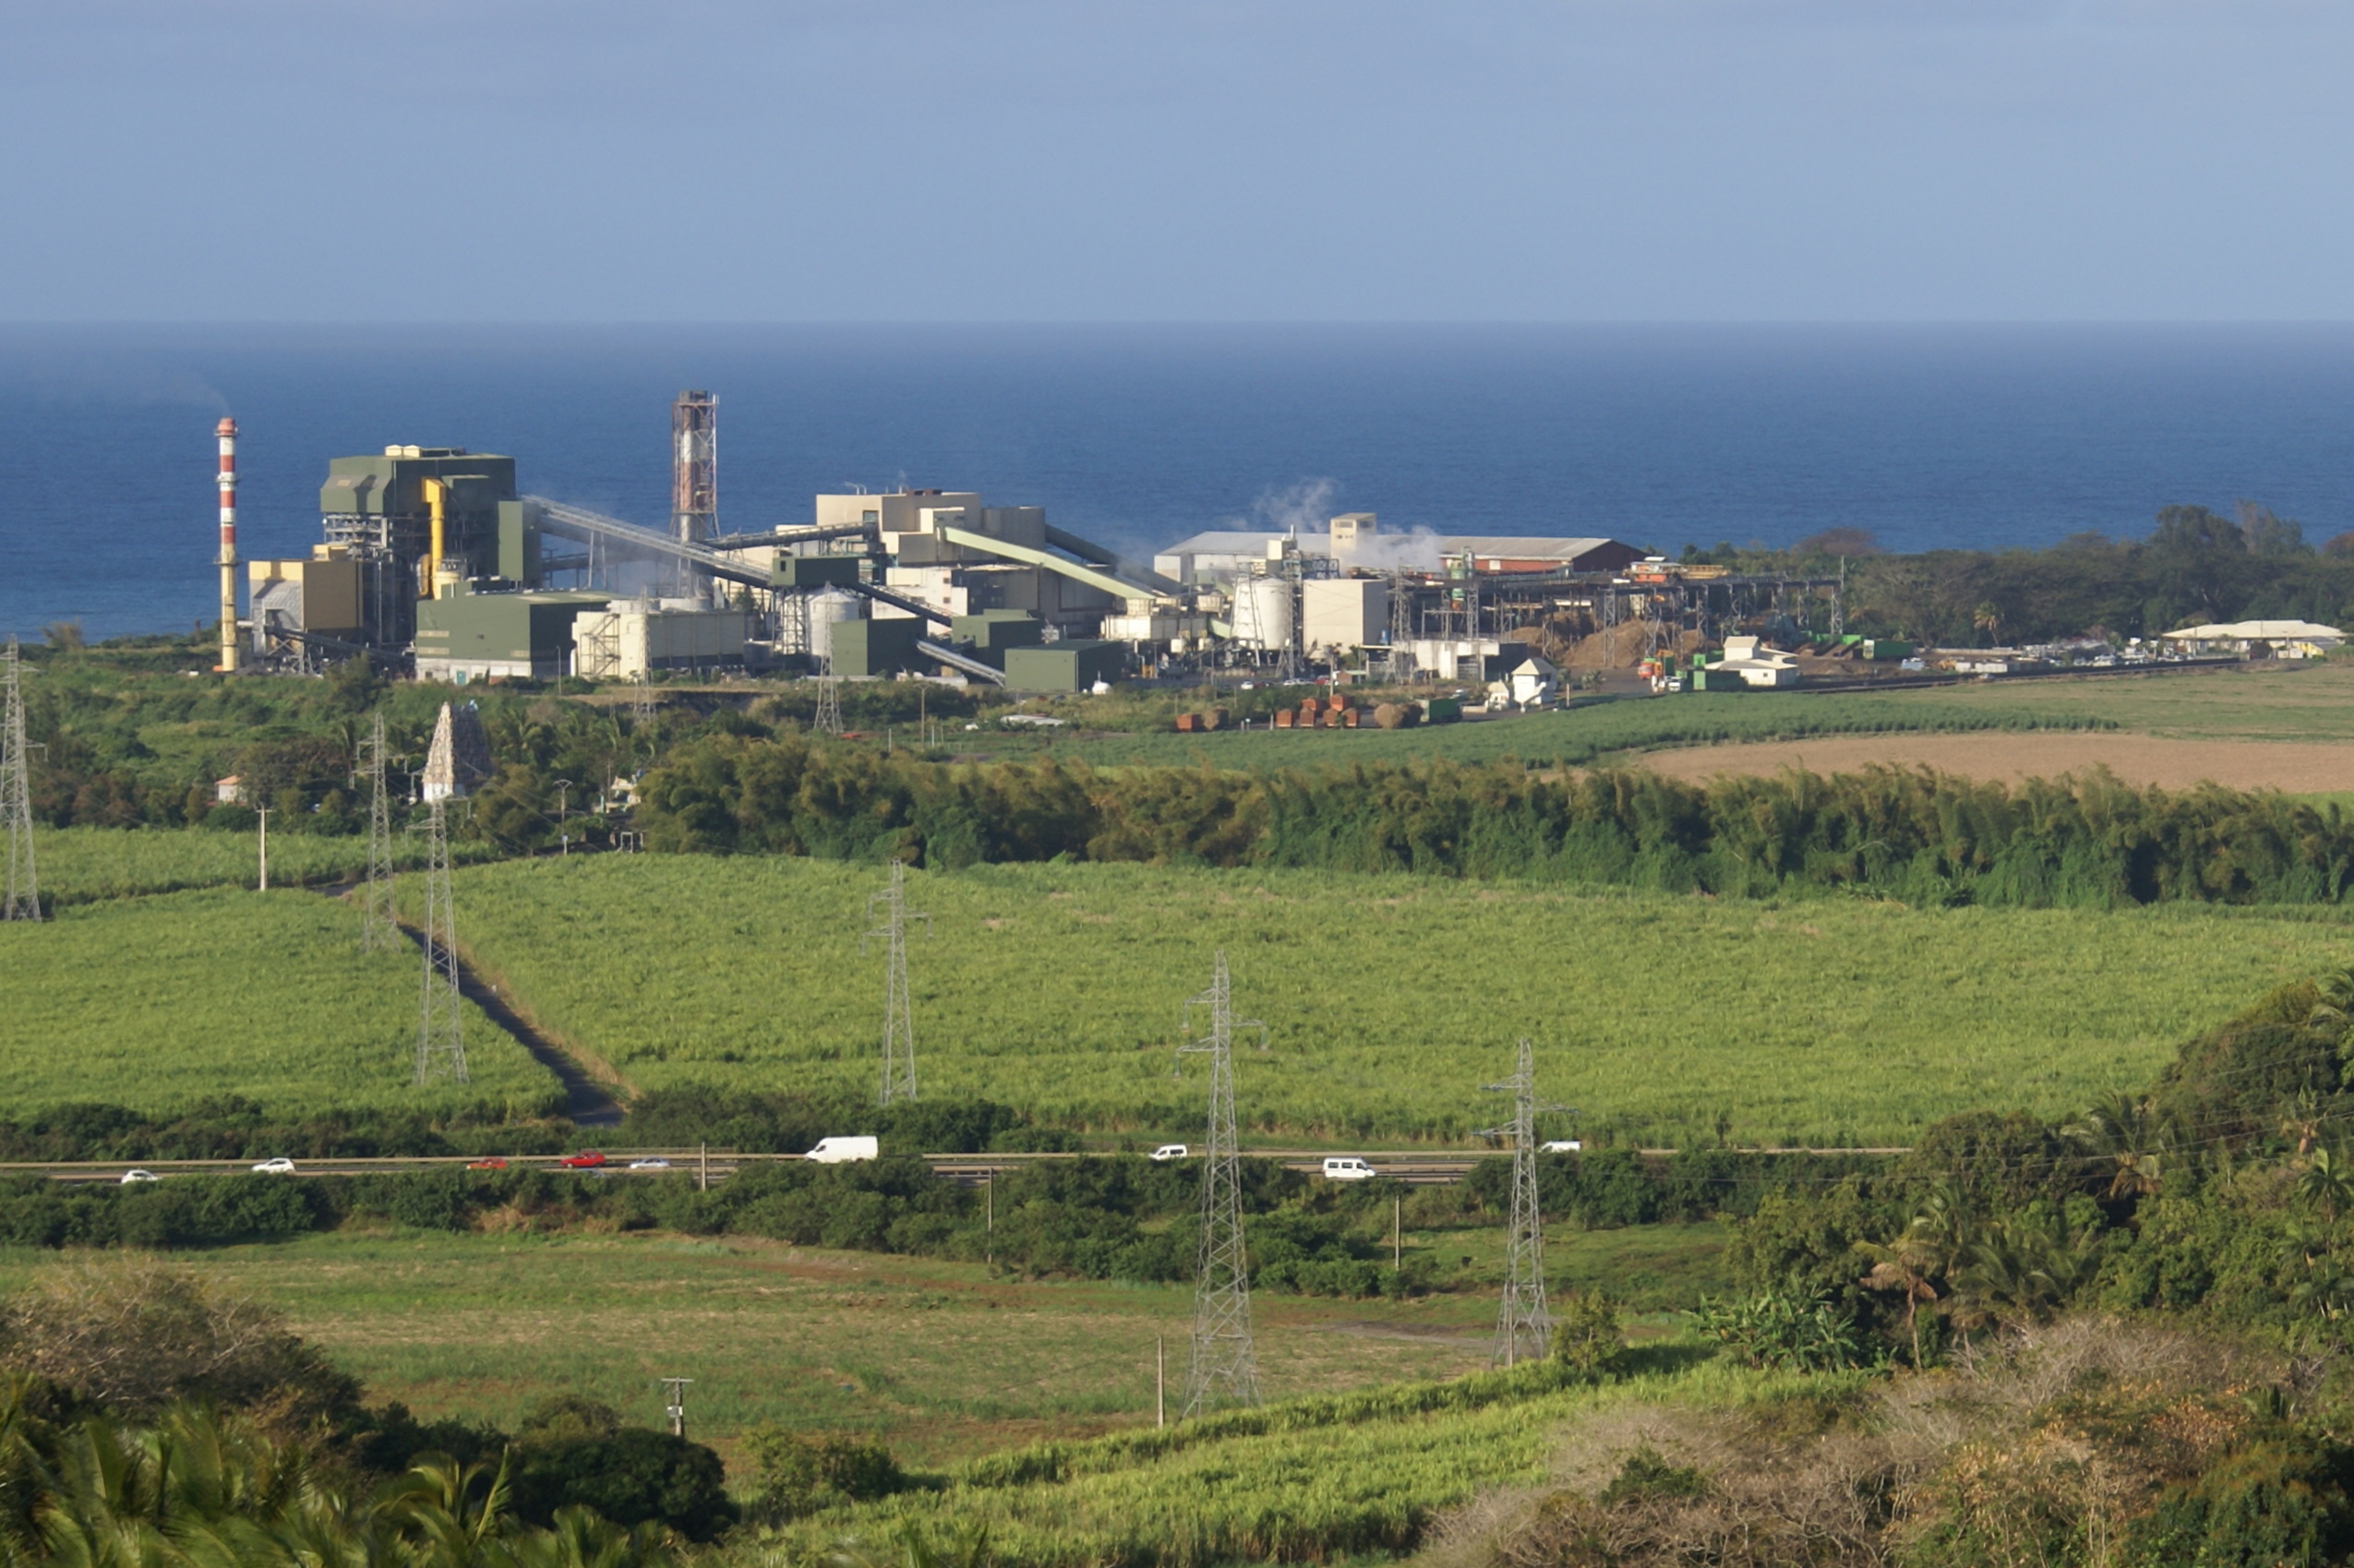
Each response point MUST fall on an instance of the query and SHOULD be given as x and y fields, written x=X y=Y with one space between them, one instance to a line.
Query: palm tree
x=2131 y=1137
x=2326 y=1178
x=1908 y=1263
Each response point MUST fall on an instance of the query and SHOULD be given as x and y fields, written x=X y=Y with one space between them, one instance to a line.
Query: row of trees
x=2089 y=842
x=2196 y=566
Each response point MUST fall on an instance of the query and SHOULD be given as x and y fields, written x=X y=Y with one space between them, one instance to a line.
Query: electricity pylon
x=829 y=696
x=1222 y=1371
x=22 y=898
x=898 y=1019
x=441 y=1046
x=378 y=930
x=1523 y=1320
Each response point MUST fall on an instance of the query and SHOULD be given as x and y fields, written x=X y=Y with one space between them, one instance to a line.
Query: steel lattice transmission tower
x=22 y=897
x=1523 y=1323
x=378 y=929
x=1222 y=1371
x=441 y=1046
x=898 y=1019
x=828 y=693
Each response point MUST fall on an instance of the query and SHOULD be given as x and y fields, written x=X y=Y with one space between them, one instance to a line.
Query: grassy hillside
x=82 y=865
x=1388 y=1000
x=156 y=1003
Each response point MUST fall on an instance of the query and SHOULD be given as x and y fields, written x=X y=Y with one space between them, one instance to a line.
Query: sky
x=908 y=161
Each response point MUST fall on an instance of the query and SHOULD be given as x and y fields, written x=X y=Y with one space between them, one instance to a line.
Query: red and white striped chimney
x=227 y=431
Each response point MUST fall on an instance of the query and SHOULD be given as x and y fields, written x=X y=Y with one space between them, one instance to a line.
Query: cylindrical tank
x=1263 y=612
x=828 y=605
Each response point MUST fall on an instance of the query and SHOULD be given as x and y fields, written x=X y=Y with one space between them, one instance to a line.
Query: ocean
x=1981 y=438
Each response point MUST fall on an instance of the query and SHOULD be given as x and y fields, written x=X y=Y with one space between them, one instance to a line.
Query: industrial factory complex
x=436 y=559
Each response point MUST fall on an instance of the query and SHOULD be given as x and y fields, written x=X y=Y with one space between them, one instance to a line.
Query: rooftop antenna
x=898 y=1020
x=22 y=899
x=376 y=927
x=1222 y=1371
x=1522 y=1320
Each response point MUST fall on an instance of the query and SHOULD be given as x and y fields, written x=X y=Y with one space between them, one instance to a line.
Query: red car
x=492 y=1163
x=587 y=1159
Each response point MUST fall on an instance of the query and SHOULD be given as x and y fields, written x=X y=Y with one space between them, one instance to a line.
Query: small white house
x=1757 y=666
x=230 y=791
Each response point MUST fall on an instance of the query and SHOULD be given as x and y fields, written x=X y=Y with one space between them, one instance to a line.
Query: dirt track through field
x=2011 y=756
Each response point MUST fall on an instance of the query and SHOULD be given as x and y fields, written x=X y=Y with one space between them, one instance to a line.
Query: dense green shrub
x=795 y=1473
x=1928 y=838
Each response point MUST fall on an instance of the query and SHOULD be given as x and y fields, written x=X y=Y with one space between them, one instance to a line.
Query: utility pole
x=564 y=813
x=1222 y=1371
x=261 y=813
x=22 y=899
x=674 y=1404
x=1523 y=1320
x=1159 y=1381
x=378 y=929
x=898 y=1020
x=441 y=1048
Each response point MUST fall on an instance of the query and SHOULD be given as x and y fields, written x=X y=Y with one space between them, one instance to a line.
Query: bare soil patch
x=2010 y=756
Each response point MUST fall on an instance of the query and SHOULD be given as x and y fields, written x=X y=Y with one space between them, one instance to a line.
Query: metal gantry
x=378 y=929
x=441 y=1046
x=1522 y=1322
x=898 y=1019
x=1222 y=1371
x=22 y=897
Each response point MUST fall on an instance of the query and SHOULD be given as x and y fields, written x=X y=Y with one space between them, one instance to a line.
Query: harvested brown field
x=2012 y=755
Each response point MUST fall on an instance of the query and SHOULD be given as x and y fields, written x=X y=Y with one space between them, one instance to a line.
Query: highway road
x=1418 y=1166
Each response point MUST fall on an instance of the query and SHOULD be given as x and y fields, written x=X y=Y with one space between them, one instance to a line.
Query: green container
x=1879 y=648
x=863 y=649
x=1442 y=710
x=815 y=571
x=1069 y=665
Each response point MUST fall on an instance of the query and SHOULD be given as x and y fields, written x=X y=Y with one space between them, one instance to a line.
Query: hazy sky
x=987 y=160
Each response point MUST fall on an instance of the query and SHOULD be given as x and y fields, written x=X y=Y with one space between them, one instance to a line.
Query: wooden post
x=1396 y=1232
x=703 y=1176
x=1159 y=1382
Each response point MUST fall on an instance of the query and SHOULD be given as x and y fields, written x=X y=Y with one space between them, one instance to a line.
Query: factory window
x=869 y=517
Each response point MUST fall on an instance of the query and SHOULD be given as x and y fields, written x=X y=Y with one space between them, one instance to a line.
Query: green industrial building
x=512 y=636
x=1068 y=665
x=866 y=649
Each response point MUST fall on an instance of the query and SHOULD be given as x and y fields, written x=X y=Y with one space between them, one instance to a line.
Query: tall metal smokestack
x=227 y=431
x=694 y=473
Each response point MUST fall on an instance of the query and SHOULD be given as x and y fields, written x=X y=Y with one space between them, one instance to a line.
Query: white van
x=1168 y=1152
x=1562 y=1147
x=839 y=1151
x=1348 y=1167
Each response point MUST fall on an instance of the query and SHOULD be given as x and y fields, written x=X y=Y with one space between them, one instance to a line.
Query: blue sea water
x=1928 y=437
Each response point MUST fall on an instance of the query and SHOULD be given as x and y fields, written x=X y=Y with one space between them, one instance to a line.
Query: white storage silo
x=1263 y=612
x=828 y=605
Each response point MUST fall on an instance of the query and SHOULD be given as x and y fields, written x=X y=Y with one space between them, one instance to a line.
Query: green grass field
x=86 y=865
x=1573 y=738
x=2290 y=702
x=1388 y=1000
x=156 y=1003
x=941 y=1360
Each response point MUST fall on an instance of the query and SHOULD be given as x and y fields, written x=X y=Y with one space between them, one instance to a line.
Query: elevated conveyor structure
x=1121 y=579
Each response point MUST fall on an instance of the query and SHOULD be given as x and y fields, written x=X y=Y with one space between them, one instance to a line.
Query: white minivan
x=1168 y=1152
x=1348 y=1167
x=840 y=1151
